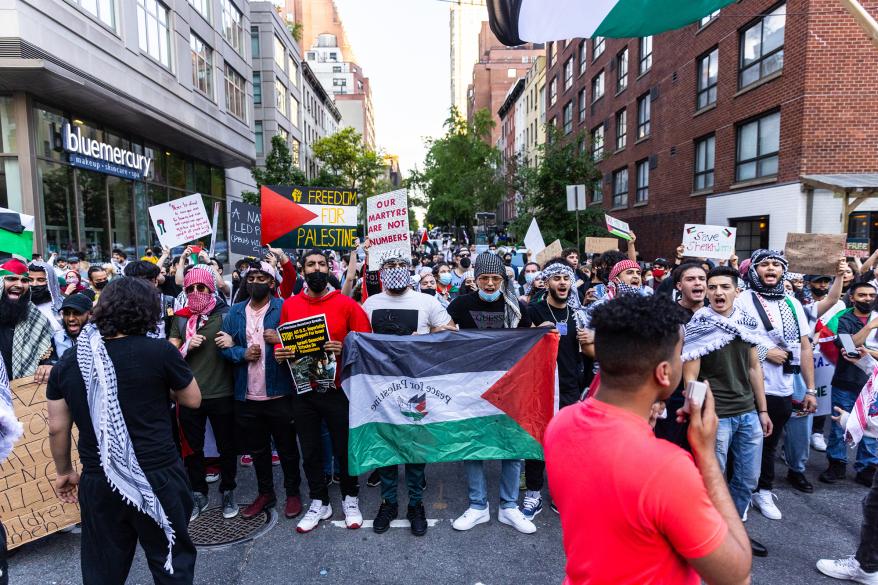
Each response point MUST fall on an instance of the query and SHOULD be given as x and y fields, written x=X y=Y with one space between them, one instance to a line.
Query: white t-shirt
x=776 y=382
x=410 y=312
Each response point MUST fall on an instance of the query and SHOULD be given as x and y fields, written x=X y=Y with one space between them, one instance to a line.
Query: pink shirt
x=256 y=370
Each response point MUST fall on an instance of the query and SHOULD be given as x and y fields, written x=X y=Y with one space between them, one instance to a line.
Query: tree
x=460 y=171
x=344 y=156
x=544 y=194
x=278 y=170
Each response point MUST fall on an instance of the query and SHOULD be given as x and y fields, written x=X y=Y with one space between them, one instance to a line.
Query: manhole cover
x=211 y=530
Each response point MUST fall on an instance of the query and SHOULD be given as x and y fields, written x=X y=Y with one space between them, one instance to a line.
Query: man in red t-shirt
x=636 y=509
x=312 y=408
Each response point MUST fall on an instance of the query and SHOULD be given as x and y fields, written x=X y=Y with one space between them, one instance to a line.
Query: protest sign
x=313 y=367
x=245 y=228
x=387 y=221
x=308 y=217
x=180 y=221
x=29 y=508
x=533 y=239
x=600 y=245
x=814 y=253
x=618 y=228
x=709 y=241
x=553 y=250
x=857 y=248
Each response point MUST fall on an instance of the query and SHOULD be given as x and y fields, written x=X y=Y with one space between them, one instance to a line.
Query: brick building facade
x=722 y=118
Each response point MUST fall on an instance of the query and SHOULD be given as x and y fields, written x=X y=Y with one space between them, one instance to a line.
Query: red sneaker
x=261 y=503
x=293 y=507
x=275 y=459
x=246 y=460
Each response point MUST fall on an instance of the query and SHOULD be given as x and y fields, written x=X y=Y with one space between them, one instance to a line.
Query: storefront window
x=121 y=213
x=7 y=126
x=10 y=183
x=202 y=178
x=56 y=190
x=95 y=233
x=217 y=182
x=48 y=131
x=176 y=170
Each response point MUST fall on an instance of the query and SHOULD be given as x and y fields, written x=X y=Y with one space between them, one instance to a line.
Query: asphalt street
x=825 y=523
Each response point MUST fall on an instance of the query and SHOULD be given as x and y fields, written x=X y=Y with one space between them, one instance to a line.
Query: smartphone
x=848 y=346
x=695 y=393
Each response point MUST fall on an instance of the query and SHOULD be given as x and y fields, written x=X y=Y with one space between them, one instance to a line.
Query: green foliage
x=296 y=29
x=344 y=156
x=278 y=170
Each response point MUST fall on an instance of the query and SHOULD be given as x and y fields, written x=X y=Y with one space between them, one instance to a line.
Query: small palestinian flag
x=468 y=395
x=515 y=22
x=16 y=233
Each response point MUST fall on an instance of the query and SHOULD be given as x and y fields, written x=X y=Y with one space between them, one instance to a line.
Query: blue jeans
x=836 y=448
x=510 y=472
x=330 y=463
x=742 y=436
x=797 y=433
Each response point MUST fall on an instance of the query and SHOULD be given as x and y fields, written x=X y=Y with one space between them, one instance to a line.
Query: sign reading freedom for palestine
x=94 y=155
x=308 y=217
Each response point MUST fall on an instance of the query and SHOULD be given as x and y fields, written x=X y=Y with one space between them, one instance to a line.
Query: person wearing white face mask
x=442 y=273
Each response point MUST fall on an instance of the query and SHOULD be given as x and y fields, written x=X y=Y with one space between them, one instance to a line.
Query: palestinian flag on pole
x=515 y=22
x=16 y=233
x=452 y=396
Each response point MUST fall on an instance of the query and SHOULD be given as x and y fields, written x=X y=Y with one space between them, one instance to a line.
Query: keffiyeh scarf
x=199 y=305
x=54 y=287
x=708 y=331
x=118 y=459
x=487 y=263
x=10 y=428
x=755 y=283
x=31 y=343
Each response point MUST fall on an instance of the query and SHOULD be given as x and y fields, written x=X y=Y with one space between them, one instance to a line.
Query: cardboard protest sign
x=308 y=217
x=180 y=221
x=709 y=241
x=618 y=228
x=387 y=222
x=857 y=248
x=313 y=366
x=553 y=250
x=245 y=228
x=814 y=253
x=29 y=508
x=600 y=245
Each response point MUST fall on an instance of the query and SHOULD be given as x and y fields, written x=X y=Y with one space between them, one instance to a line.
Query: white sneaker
x=847 y=568
x=744 y=517
x=763 y=500
x=515 y=518
x=818 y=443
x=313 y=516
x=470 y=518
x=352 y=517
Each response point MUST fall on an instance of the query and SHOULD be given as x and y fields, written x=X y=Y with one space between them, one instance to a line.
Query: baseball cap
x=78 y=302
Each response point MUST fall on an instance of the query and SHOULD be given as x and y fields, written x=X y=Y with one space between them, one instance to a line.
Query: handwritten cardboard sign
x=245 y=228
x=29 y=508
x=180 y=221
x=857 y=248
x=600 y=245
x=814 y=253
x=618 y=228
x=553 y=250
x=387 y=221
x=709 y=241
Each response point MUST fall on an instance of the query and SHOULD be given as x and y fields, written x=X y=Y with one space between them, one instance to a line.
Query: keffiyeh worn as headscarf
x=755 y=283
x=487 y=263
x=199 y=305
x=708 y=331
x=118 y=459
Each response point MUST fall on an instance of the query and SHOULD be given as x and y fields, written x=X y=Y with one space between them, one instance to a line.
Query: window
x=621 y=129
x=280 y=54
x=597 y=143
x=333 y=56
x=553 y=53
x=257 y=87
x=336 y=68
x=620 y=188
x=280 y=97
x=294 y=111
x=708 y=71
x=236 y=93
x=762 y=47
x=233 y=26
x=102 y=9
x=597 y=87
x=202 y=66
x=202 y=7
x=568 y=117
x=622 y=70
x=568 y=74
x=260 y=140
x=643 y=116
x=294 y=152
x=752 y=234
x=582 y=105
x=704 y=156
x=294 y=73
x=707 y=19
x=511 y=72
x=254 y=42
x=553 y=91
x=642 y=193
x=282 y=132
x=645 y=55
x=757 y=149
x=153 y=31
x=597 y=192
x=583 y=62
x=599 y=45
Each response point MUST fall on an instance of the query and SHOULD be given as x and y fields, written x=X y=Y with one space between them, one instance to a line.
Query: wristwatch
x=811 y=392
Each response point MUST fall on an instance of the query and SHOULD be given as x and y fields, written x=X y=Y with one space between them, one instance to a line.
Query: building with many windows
x=108 y=107
x=725 y=121
x=320 y=118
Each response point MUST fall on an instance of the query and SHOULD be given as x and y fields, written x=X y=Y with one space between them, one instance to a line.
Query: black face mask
x=317 y=281
x=816 y=293
x=429 y=291
x=465 y=263
x=40 y=294
x=100 y=285
x=507 y=261
x=863 y=307
x=258 y=290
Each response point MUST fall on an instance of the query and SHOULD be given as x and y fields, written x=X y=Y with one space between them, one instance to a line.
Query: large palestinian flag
x=539 y=21
x=451 y=396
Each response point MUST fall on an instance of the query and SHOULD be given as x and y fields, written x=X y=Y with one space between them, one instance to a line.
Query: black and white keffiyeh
x=10 y=427
x=54 y=287
x=487 y=263
x=708 y=331
x=755 y=283
x=118 y=459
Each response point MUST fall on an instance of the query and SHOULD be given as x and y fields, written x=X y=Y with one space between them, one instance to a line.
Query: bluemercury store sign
x=94 y=155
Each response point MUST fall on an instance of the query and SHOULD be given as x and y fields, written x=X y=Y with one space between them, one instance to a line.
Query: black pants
x=867 y=552
x=779 y=410
x=221 y=414
x=818 y=423
x=311 y=409
x=4 y=565
x=260 y=422
x=111 y=529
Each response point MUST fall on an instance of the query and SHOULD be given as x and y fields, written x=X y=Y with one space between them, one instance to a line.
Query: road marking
x=393 y=524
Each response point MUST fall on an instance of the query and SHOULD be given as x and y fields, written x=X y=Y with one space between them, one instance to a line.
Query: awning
x=853 y=188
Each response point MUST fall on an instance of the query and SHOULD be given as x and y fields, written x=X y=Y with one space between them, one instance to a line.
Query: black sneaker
x=836 y=471
x=866 y=476
x=800 y=482
x=386 y=514
x=374 y=479
x=327 y=479
x=417 y=516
